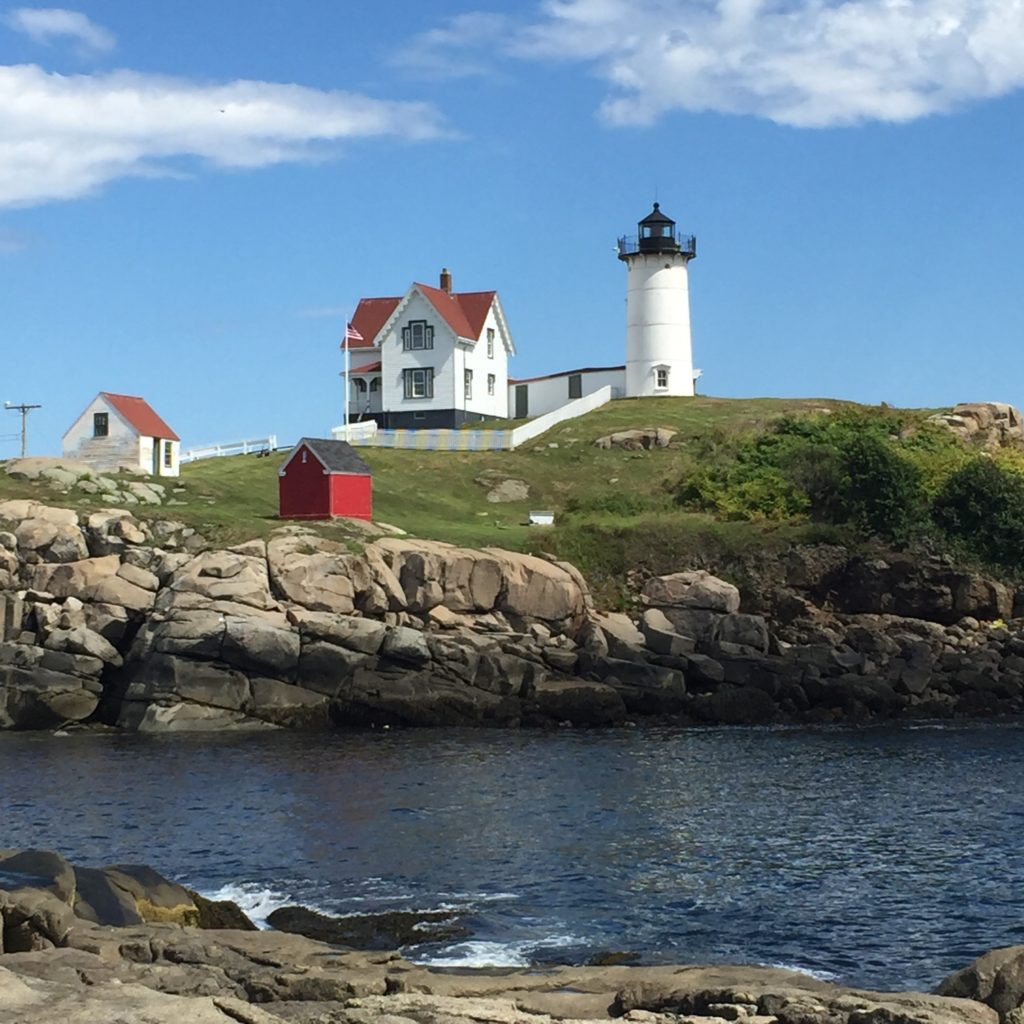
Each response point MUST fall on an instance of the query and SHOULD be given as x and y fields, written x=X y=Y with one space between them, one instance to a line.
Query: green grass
x=622 y=500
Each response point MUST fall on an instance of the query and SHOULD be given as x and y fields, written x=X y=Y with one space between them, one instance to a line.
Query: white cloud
x=462 y=48
x=809 y=63
x=65 y=136
x=44 y=24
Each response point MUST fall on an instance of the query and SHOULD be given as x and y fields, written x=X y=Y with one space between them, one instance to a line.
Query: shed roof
x=336 y=456
x=139 y=415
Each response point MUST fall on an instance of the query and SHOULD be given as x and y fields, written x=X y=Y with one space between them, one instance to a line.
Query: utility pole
x=24 y=409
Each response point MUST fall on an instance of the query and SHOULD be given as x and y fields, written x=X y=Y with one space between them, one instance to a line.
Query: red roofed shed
x=321 y=479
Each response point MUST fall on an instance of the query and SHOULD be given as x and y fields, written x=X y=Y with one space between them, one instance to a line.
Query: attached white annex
x=123 y=432
x=430 y=358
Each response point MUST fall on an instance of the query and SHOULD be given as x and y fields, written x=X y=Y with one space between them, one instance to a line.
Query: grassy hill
x=615 y=509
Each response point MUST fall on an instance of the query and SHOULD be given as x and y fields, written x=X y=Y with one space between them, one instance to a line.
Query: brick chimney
x=446 y=280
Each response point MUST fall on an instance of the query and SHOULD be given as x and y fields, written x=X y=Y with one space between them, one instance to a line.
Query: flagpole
x=348 y=363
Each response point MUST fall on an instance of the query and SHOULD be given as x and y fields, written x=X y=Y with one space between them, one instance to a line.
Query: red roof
x=138 y=413
x=464 y=312
x=371 y=315
x=368 y=368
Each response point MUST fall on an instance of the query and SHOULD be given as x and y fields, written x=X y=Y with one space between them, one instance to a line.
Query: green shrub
x=981 y=508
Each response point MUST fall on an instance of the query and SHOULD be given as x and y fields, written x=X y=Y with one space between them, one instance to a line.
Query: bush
x=841 y=470
x=981 y=508
x=868 y=485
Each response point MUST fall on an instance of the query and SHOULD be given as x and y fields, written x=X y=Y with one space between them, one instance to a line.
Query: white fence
x=471 y=439
x=577 y=407
x=361 y=432
x=213 y=451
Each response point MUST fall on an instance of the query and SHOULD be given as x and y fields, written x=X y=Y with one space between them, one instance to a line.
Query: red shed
x=321 y=479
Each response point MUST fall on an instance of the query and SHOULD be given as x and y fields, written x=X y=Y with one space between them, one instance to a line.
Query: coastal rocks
x=387 y=930
x=60 y=966
x=996 y=979
x=990 y=424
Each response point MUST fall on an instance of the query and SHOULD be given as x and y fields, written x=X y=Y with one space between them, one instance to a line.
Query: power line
x=24 y=408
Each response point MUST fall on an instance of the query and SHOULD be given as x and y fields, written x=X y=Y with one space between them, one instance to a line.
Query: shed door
x=522 y=401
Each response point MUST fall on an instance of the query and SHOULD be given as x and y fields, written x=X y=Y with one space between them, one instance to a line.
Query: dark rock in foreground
x=386 y=930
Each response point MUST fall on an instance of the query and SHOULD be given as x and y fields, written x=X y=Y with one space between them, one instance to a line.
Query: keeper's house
x=432 y=357
x=322 y=479
x=123 y=432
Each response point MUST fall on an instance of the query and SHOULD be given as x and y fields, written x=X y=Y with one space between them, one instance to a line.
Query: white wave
x=819 y=975
x=256 y=901
x=480 y=954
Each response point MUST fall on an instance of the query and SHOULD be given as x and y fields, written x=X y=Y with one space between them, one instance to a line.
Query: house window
x=359 y=384
x=304 y=455
x=661 y=377
x=490 y=383
x=575 y=385
x=375 y=384
x=417 y=334
x=100 y=424
x=467 y=377
x=419 y=383
x=168 y=455
x=490 y=342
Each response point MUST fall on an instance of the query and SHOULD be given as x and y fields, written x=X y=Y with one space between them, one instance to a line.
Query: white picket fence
x=213 y=451
x=471 y=439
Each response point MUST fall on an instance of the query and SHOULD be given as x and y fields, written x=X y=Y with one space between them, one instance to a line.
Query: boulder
x=82 y=640
x=131 y=894
x=640 y=438
x=750 y=631
x=996 y=979
x=537 y=589
x=660 y=634
x=357 y=634
x=73 y=579
x=52 y=540
x=224 y=576
x=418 y=699
x=315 y=577
x=624 y=640
x=693 y=589
x=577 y=701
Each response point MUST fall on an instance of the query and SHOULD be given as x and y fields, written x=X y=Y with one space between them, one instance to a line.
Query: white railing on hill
x=361 y=432
x=213 y=451
x=569 y=411
x=471 y=439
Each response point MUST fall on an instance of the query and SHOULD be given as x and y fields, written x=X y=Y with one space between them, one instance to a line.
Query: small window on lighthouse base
x=661 y=377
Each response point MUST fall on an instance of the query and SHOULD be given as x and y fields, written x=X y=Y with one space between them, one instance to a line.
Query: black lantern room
x=657 y=233
x=657 y=236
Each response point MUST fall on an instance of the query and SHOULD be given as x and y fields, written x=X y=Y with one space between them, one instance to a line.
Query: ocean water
x=883 y=857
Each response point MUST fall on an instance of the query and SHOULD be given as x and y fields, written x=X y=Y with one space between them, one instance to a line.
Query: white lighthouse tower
x=659 y=359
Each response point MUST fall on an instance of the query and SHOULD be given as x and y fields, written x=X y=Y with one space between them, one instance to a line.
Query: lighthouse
x=659 y=358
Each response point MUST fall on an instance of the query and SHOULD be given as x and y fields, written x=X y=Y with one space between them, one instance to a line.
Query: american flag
x=351 y=334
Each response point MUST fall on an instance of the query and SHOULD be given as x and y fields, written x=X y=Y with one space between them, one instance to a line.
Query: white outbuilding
x=123 y=432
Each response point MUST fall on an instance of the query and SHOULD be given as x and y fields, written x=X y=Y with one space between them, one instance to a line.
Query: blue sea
x=883 y=857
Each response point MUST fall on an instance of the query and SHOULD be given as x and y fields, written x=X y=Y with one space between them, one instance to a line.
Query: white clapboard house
x=432 y=357
x=123 y=432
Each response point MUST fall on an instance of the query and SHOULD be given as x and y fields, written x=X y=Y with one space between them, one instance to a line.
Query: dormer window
x=417 y=335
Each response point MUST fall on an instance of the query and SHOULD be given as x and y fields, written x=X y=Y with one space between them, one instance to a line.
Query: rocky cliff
x=140 y=625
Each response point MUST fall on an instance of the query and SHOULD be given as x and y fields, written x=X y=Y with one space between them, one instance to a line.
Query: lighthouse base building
x=439 y=358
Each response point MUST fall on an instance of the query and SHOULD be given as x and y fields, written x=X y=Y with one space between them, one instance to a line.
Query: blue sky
x=194 y=195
